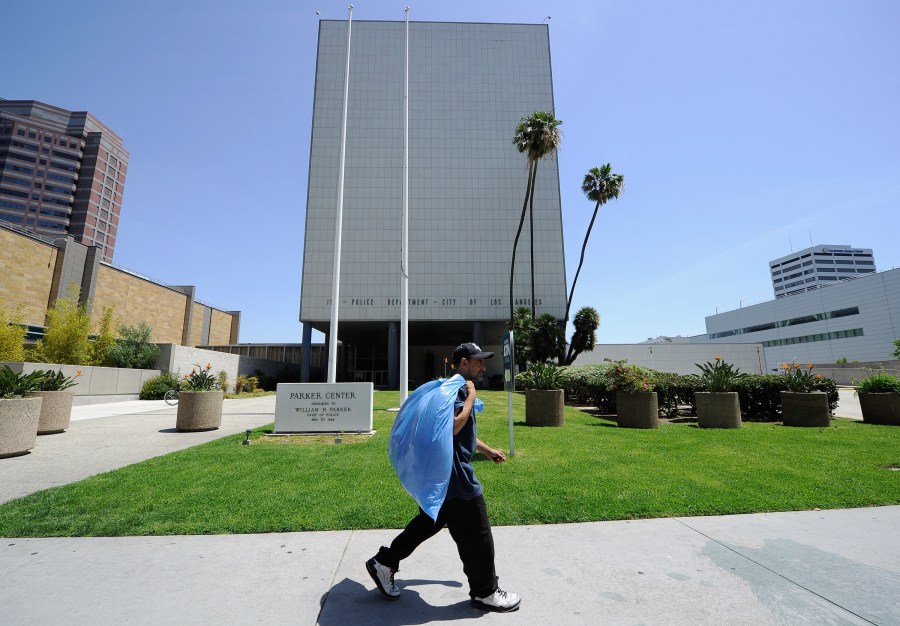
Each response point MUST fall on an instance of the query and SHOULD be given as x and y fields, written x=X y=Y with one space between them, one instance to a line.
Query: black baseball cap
x=469 y=351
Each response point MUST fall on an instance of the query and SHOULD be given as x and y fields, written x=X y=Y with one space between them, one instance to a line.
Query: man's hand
x=495 y=455
x=470 y=388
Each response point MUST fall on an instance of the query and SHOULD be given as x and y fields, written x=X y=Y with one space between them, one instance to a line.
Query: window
x=64 y=155
x=821 y=261
x=32 y=135
x=12 y=205
x=846 y=270
x=11 y=218
x=805 y=263
x=15 y=181
x=48 y=139
x=20 y=132
x=843 y=262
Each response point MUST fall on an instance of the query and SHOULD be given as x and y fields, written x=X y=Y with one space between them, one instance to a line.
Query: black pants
x=468 y=523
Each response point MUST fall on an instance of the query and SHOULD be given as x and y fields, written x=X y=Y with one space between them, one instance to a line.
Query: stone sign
x=323 y=407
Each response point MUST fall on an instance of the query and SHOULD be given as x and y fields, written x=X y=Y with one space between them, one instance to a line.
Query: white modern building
x=469 y=85
x=819 y=266
x=853 y=319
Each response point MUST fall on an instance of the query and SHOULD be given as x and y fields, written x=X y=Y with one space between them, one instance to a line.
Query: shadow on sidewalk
x=349 y=602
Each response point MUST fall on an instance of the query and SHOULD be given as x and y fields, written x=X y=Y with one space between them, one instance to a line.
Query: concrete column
x=305 y=352
x=393 y=355
x=477 y=334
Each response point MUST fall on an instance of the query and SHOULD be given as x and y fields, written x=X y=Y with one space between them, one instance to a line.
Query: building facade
x=61 y=173
x=857 y=320
x=469 y=85
x=819 y=266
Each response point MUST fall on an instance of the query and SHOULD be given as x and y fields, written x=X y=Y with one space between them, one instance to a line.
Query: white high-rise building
x=819 y=266
x=469 y=85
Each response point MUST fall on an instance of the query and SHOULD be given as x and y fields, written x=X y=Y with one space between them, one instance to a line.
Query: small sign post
x=509 y=381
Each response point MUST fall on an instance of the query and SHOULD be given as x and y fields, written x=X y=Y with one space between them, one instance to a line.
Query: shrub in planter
x=19 y=416
x=200 y=401
x=56 y=408
x=718 y=405
x=544 y=401
x=636 y=403
x=879 y=398
x=802 y=404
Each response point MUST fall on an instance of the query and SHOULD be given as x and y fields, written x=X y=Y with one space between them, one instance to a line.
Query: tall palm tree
x=537 y=136
x=586 y=322
x=600 y=185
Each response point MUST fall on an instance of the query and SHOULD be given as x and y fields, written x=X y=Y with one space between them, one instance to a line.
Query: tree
x=601 y=186
x=523 y=326
x=537 y=136
x=586 y=323
x=105 y=339
x=897 y=351
x=12 y=334
x=547 y=338
x=66 y=332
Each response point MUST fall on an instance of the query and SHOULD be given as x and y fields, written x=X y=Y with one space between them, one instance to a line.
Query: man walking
x=463 y=510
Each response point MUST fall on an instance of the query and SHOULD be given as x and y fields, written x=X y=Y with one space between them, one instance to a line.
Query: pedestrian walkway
x=104 y=437
x=806 y=567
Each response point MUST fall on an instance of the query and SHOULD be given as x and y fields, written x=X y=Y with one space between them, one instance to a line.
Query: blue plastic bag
x=421 y=443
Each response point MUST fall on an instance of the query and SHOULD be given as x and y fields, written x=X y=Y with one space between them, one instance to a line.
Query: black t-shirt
x=463 y=483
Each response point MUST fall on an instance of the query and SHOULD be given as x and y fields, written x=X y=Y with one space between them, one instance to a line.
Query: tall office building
x=469 y=85
x=61 y=172
x=818 y=266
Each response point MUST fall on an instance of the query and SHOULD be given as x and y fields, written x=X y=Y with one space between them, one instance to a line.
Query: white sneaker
x=384 y=579
x=499 y=601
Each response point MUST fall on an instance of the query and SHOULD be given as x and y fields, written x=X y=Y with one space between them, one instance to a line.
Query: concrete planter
x=19 y=419
x=880 y=408
x=718 y=409
x=637 y=410
x=199 y=410
x=56 y=411
x=544 y=407
x=805 y=409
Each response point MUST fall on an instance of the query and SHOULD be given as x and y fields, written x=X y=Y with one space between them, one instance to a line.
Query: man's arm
x=460 y=419
x=495 y=455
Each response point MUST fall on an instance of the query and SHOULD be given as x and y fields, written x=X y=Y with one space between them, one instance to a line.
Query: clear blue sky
x=741 y=129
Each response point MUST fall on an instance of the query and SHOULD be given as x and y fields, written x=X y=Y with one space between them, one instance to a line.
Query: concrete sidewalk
x=808 y=567
x=811 y=567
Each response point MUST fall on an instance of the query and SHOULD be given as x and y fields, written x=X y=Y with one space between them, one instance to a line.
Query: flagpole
x=338 y=222
x=404 y=263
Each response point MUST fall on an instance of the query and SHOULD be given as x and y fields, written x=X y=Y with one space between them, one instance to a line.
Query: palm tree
x=537 y=136
x=547 y=338
x=600 y=185
x=586 y=322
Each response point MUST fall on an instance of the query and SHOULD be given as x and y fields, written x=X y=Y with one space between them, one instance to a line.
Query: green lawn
x=588 y=470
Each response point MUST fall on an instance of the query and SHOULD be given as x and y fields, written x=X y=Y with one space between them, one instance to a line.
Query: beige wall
x=26 y=275
x=27 y=269
x=196 y=324
x=220 y=328
x=137 y=300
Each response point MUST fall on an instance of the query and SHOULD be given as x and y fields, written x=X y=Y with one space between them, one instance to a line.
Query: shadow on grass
x=350 y=602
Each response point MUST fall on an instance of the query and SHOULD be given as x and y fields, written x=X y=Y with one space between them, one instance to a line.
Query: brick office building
x=61 y=172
